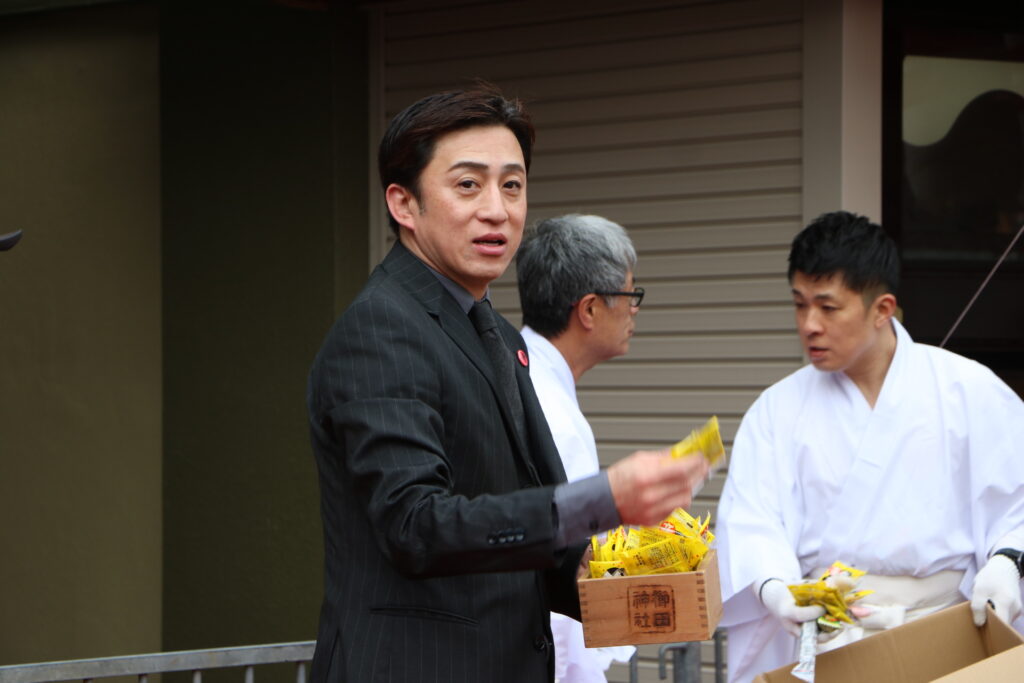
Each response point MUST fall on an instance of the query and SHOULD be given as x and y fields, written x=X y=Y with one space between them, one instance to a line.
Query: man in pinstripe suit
x=449 y=530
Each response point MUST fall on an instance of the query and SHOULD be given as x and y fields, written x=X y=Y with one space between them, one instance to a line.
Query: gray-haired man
x=579 y=303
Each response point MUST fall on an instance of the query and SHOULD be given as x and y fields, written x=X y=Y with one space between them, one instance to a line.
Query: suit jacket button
x=541 y=644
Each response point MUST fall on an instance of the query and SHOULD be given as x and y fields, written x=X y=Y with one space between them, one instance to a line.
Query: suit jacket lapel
x=424 y=286
x=523 y=443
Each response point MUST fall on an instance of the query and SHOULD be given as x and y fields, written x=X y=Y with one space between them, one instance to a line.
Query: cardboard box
x=656 y=608
x=945 y=646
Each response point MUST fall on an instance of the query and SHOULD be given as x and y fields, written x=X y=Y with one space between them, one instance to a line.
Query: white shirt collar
x=543 y=351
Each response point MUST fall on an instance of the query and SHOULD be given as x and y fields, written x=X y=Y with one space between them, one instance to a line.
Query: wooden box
x=657 y=608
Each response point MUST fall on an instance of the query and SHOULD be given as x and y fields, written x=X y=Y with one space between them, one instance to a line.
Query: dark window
x=953 y=173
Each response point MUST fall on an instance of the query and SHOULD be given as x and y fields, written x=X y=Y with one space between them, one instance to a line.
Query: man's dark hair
x=563 y=259
x=846 y=244
x=408 y=144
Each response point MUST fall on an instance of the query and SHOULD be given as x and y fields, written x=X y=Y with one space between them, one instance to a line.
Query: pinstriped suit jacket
x=440 y=562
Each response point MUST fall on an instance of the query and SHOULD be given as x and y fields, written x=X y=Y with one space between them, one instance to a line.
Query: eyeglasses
x=637 y=296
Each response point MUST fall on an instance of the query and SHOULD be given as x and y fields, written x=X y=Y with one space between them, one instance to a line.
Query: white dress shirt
x=556 y=389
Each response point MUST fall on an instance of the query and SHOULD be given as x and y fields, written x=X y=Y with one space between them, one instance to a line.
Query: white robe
x=556 y=389
x=928 y=480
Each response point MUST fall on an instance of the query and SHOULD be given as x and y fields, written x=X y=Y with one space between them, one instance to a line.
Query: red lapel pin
x=523 y=360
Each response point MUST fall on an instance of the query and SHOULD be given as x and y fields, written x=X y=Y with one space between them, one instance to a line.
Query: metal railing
x=686 y=661
x=685 y=658
x=196 y=661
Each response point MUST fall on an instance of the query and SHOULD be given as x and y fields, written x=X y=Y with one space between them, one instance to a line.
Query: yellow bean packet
x=599 y=568
x=706 y=440
x=649 y=558
x=824 y=592
x=596 y=549
x=612 y=544
x=650 y=534
x=633 y=540
x=682 y=523
x=838 y=567
x=695 y=550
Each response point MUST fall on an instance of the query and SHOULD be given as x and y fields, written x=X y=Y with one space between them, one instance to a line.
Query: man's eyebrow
x=826 y=295
x=478 y=166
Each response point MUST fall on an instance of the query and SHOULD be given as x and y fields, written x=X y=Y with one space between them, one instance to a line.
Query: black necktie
x=482 y=317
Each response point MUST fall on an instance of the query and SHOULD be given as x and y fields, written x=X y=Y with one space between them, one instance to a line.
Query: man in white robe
x=576 y=290
x=898 y=458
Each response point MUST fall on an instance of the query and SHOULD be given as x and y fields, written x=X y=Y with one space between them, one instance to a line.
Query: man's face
x=469 y=219
x=837 y=331
x=614 y=323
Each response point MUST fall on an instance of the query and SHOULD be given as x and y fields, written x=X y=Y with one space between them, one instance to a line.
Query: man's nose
x=809 y=323
x=492 y=205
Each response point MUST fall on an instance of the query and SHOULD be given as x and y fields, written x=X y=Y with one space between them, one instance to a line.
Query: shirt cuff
x=583 y=508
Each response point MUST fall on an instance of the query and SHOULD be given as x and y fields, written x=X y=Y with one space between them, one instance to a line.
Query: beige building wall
x=80 y=335
x=842 y=102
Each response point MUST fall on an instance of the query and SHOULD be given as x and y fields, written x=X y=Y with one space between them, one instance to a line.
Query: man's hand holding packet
x=679 y=543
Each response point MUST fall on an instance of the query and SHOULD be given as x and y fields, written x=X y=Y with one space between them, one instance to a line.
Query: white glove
x=997 y=583
x=880 y=617
x=775 y=596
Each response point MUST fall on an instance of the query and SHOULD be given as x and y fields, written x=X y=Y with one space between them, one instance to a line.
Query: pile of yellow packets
x=678 y=544
x=833 y=591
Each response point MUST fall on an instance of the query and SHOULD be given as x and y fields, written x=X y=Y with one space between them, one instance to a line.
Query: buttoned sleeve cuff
x=583 y=508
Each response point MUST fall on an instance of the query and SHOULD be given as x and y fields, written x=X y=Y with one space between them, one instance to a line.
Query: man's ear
x=584 y=311
x=884 y=308
x=403 y=205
